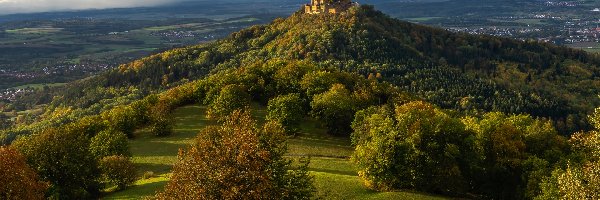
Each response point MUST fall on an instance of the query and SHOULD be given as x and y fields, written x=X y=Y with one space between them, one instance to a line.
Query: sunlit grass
x=143 y=187
x=336 y=186
x=334 y=175
x=40 y=30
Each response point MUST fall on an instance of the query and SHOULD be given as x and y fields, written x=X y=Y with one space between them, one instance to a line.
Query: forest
x=426 y=110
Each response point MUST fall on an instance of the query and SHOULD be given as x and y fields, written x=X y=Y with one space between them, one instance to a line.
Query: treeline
x=418 y=146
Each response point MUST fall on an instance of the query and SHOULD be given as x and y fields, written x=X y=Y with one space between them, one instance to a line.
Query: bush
x=117 y=171
x=62 y=158
x=108 y=143
x=237 y=161
x=18 y=180
x=287 y=110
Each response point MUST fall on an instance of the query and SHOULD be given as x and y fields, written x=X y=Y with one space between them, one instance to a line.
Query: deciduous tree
x=335 y=108
x=17 y=179
x=287 y=110
x=117 y=171
x=62 y=158
x=237 y=160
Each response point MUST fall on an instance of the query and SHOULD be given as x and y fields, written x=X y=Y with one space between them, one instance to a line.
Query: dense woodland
x=427 y=110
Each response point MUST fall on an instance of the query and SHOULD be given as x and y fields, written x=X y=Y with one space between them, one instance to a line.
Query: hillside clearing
x=334 y=175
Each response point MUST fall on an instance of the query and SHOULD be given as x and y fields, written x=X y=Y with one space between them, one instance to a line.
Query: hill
x=457 y=71
x=358 y=76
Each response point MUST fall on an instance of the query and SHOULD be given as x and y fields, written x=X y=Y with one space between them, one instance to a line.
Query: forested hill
x=359 y=76
x=453 y=70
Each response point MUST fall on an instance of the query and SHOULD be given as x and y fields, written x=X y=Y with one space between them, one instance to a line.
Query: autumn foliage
x=17 y=179
x=237 y=160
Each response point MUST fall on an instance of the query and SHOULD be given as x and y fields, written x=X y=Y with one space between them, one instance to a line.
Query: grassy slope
x=335 y=176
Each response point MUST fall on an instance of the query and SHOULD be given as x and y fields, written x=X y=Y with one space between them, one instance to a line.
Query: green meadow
x=335 y=177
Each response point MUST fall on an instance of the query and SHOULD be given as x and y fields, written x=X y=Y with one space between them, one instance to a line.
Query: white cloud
x=27 y=6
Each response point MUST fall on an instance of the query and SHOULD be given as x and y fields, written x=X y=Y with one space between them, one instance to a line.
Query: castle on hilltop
x=328 y=6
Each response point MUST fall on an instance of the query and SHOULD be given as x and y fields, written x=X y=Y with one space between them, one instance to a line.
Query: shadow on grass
x=157 y=148
x=156 y=168
x=140 y=190
x=331 y=171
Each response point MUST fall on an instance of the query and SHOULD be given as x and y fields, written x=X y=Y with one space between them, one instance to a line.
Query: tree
x=317 y=82
x=576 y=182
x=502 y=149
x=90 y=125
x=5 y=121
x=231 y=98
x=62 y=158
x=108 y=143
x=287 y=79
x=121 y=119
x=237 y=160
x=161 y=121
x=287 y=110
x=417 y=147
x=18 y=180
x=117 y=171
x=516 y=153
x=581 y=178
x=335 y=108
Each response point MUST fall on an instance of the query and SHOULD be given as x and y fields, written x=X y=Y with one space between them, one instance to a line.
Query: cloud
x=29 y=6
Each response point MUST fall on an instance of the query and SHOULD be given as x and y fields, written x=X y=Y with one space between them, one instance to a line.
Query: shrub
x=237 y=161
x=117 y=171
x=108 y=143
x=287 y=110
x=18 y=180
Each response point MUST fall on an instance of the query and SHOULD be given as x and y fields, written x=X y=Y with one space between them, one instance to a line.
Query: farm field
x=335 y=177
x=63 y=50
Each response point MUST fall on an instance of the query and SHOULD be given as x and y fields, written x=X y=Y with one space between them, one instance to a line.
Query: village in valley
x=574 y=23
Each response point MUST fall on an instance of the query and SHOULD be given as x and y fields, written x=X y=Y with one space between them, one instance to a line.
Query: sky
x=30 y=6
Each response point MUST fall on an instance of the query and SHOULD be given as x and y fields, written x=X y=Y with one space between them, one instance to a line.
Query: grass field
x=40 y=30
x=335 y=176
